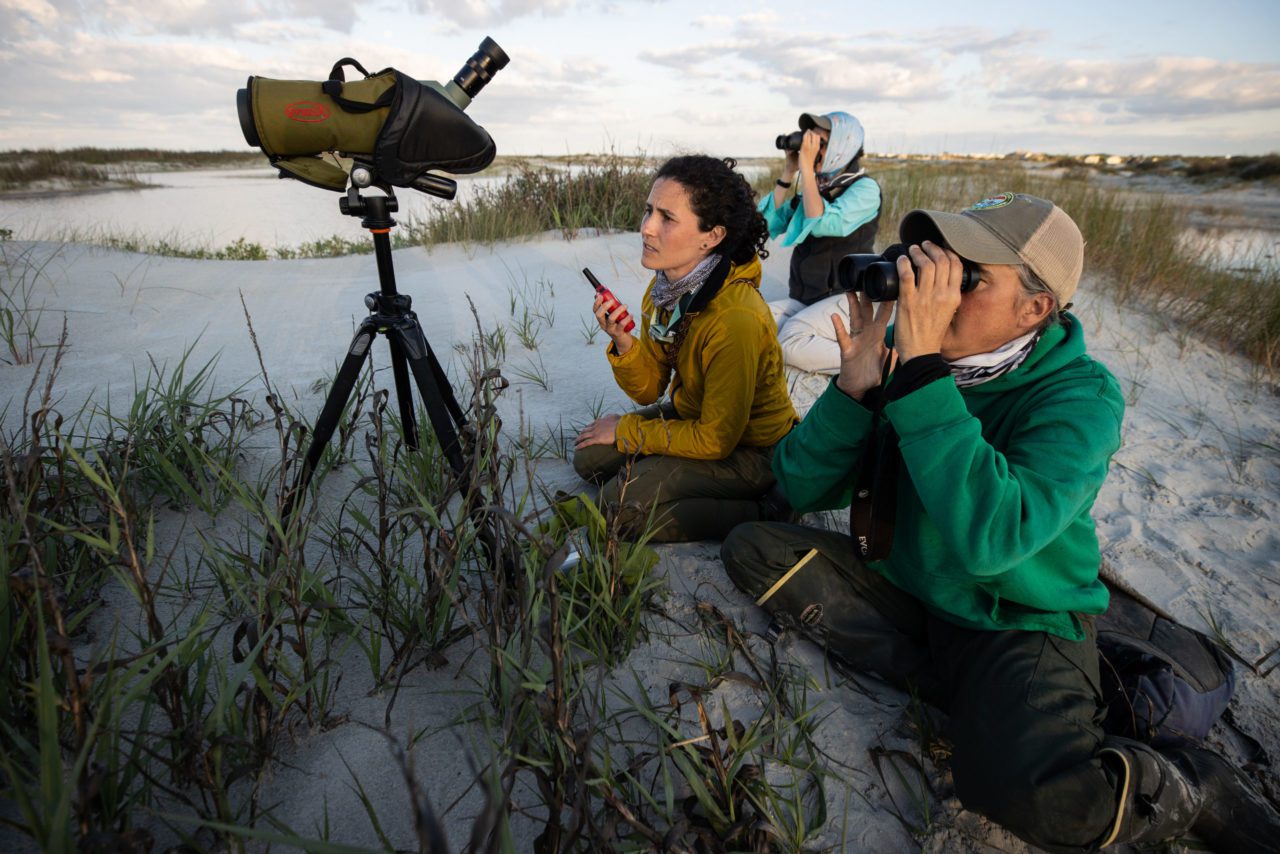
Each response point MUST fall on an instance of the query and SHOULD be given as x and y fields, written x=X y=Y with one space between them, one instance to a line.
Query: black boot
x=1235 y=816
x=1156 y=801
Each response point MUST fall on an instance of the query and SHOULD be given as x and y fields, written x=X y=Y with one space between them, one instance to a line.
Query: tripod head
x=376 y=210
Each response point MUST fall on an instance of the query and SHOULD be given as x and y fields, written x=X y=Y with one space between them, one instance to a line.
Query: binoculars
x=789 y=141
x=877 y=275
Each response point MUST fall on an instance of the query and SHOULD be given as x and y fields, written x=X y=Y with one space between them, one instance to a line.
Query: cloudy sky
x=1120 y=76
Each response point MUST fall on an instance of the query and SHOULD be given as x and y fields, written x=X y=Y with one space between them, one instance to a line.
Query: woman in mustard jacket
x=696 y=463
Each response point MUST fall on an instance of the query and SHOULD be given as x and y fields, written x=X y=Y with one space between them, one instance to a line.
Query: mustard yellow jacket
x=727 y=384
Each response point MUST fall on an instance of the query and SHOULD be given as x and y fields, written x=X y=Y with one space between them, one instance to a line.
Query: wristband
x=786 y=185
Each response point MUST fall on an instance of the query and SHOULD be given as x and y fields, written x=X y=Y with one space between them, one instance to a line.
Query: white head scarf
x=846 y=139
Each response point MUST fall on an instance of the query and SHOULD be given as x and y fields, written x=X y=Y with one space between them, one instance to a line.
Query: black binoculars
x=789 y=141
x=877 y=275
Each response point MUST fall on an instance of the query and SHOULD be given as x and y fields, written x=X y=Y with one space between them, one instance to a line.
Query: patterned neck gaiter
x=666 y=292
x=983 y=367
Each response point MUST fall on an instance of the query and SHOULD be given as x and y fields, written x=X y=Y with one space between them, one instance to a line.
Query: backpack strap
x=333 y=88
x=842 y=182
x=336 y=73
x=837 y=187
x=874 y=506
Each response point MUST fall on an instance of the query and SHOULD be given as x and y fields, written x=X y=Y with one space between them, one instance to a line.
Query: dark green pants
x=1024 y=707
x=685 y=499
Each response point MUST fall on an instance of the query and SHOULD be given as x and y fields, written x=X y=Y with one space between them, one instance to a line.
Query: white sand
x=1188 y=515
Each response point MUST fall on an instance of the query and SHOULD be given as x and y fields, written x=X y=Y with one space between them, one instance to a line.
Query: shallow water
x=209 y=208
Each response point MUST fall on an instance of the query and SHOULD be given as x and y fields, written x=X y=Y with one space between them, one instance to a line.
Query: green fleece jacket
x=993 y=525
x=726 y=383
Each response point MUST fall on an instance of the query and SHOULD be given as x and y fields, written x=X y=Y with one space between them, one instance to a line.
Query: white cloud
x=220 y=17
x=274 y=33
x=39 y=12
x=1078 y=118
x=1158 y=87
x=810 y=68
x=95 y=75
x=474 y=13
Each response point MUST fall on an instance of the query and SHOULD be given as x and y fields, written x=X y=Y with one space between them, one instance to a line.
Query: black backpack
x=1163 y=683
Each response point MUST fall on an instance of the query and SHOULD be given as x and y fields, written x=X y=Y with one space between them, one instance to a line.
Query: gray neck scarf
x=983 y=367
x=666 y=292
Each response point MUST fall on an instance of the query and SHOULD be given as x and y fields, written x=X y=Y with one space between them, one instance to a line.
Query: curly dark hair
x=721 y=196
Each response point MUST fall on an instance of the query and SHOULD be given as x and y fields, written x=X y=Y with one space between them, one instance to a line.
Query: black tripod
x=391 y=315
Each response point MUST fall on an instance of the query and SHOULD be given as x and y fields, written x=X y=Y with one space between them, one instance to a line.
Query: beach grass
x=20 y=314
x=28 y=167
x=605 y=194
x=162 y=717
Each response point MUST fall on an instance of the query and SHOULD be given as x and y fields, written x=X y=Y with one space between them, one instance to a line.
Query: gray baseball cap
x=808 y=121
x=1009 y=228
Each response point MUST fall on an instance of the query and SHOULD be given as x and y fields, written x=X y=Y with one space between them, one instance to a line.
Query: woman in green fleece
x=696 y=464
x=971 y=474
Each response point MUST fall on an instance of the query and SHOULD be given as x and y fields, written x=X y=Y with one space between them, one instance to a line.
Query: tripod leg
x=444 y=413
x=442 y=381
x=404 y=394
x=327 y=421
x=437 y=395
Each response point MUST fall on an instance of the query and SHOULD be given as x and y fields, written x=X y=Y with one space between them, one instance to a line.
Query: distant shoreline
x=28 y=193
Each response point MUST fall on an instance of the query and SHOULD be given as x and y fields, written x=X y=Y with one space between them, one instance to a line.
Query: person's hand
x=791 y=165
x=810 y=145
x=862 y=348
x=599 y=432
x=609 y=322
x=927 y=304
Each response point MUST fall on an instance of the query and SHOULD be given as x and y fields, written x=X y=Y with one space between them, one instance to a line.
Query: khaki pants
x=679 y=499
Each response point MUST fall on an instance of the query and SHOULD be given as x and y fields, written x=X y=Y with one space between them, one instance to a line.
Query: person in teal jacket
x=834 y=212
x=970 y=440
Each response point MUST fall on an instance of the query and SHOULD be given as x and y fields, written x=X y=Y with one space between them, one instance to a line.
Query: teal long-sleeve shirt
x=853 y=208
x=993 y=520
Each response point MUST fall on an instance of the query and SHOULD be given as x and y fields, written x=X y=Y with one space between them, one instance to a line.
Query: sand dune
x=1190 y=515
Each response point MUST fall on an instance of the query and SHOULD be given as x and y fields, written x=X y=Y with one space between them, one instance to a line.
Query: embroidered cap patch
x=993 y=202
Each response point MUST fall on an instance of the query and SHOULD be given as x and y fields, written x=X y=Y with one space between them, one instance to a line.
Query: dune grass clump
x=1246 y=168
x=20 y=169
x=20 y=272
x=239 y=249
x=159 y=721
x=603 y=193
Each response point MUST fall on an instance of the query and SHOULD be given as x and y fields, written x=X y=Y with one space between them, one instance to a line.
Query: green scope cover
x=404 y=125
x=296 y=117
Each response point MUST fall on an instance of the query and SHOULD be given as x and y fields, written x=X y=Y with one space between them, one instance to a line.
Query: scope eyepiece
x=476 y=73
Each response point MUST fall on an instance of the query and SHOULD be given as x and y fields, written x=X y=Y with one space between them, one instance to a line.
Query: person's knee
x=742 y=556
x=1055 y=811
x=592 y=463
